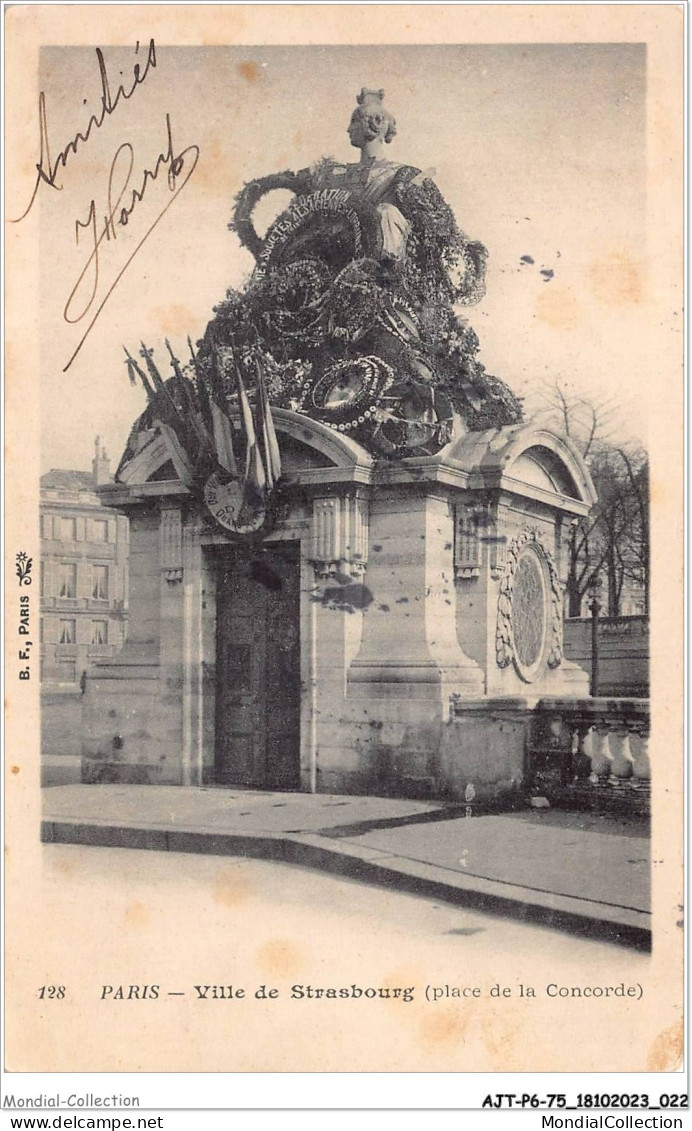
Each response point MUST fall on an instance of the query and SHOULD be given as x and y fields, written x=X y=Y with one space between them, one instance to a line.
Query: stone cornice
x=479 y=462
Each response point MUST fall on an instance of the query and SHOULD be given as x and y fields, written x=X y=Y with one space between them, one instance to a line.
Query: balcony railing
x=593 y=751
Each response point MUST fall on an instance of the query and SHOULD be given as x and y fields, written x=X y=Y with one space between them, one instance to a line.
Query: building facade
x=83 y=574
x=326 y=656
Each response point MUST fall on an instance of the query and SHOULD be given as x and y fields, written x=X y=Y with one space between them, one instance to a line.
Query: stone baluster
x=558 y=740
x=641 y=767
x=601 y=758
x=601 y=745
x=621 y=754
x=556 y=728
x=581 y=749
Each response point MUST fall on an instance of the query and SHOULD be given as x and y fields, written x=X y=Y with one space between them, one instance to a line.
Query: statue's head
x=370 y=120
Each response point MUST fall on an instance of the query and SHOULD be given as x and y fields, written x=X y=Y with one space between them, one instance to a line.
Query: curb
x=627 y=926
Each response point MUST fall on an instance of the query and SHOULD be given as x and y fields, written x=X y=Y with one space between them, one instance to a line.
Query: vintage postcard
x=343 y=526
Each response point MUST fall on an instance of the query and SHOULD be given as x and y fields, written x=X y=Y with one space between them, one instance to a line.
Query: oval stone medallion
x=528 y=613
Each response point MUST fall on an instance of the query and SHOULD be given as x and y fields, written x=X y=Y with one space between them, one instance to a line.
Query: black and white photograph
x=343 y=544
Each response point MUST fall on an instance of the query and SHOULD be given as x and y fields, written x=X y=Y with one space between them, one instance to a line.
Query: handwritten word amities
x=47 y=168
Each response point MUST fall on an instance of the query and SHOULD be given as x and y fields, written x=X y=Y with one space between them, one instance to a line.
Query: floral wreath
x=362 y=408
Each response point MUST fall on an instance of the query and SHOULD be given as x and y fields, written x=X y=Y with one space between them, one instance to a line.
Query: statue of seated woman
x=405 y=220
x=355 y=288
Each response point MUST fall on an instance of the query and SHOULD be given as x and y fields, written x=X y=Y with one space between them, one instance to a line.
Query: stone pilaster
x=169 y=708
x=410 y=647
x=171 y=544
x=339 y=535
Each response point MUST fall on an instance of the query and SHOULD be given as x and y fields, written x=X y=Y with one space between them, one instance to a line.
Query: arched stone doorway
x=258 y=681
x=233 y=644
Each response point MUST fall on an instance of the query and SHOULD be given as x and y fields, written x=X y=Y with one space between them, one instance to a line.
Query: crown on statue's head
x=367 y=95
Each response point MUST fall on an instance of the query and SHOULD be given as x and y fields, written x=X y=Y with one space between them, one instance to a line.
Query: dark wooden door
x=258 y=669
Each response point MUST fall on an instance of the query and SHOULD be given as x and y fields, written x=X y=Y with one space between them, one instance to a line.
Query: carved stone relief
x=469 y=526
x=339 y=536
x=529 y=613
x=171 y=544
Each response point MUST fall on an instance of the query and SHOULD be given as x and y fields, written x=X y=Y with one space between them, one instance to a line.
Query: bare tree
x=587 y=421
x=613 y=540
x=637 y=541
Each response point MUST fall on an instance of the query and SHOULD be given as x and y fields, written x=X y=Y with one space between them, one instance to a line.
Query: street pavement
x=581 y=872
x=114 y=915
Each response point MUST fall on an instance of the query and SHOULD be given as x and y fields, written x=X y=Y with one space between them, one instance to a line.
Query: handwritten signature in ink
x=122 y=201
x=88 y=297
x=47 y=169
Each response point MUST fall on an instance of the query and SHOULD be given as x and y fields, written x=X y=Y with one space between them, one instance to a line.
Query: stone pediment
x=326 y=447
x=310 y=451
x=526 y=460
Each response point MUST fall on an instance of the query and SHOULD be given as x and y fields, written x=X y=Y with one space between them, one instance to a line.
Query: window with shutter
x=99 y=632
x=68 y=579
x=99 y=590
x=68 y=632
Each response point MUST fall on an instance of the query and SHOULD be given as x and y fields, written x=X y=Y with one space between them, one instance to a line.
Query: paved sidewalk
x=578 y=871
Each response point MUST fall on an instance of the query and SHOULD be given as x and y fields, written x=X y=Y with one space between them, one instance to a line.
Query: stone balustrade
x=592 y=749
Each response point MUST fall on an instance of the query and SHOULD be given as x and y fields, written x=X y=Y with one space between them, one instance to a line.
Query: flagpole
x=133 y=365
x=160 y=384
x=200 y=431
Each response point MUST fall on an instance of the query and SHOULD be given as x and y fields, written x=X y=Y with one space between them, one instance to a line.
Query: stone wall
x=623 y=651
x=61 y=723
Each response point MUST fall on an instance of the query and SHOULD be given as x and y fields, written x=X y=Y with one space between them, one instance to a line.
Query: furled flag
x=200 y=442
x=255 y=476
x=223 y=439
x=221 y=425
x=135 y=370
x=272 y=457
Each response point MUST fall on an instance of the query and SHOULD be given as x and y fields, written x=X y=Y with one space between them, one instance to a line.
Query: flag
x=255 y=477
x=223 y=439
x=204 y=400
x=272 y=456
